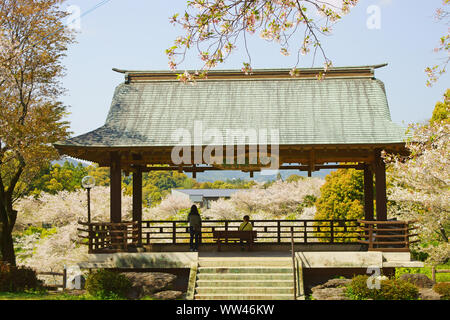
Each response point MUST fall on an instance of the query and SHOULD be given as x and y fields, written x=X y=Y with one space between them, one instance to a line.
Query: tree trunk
x=7 y=221
x=7 y=248
x=443 y=234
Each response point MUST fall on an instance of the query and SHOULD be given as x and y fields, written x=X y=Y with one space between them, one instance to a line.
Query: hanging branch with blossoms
x=436 y=71
x=214 y=27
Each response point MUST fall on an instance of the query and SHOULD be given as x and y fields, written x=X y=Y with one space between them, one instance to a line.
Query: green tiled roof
x=337 y=110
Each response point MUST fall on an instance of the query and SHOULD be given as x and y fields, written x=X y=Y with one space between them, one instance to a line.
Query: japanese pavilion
x=342 y=121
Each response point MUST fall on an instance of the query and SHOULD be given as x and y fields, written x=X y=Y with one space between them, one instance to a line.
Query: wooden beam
x=368 y=193
x=282 y=167
x=115 y=187
x=312 y=162
x=288 y=153
x=380 y=186
x=194 y=172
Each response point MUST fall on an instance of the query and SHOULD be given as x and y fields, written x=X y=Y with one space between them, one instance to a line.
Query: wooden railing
x=294 y=272
x=54 y=285
x=392 y=236
x=105 y=237
x=271 y=231
x=434 y=271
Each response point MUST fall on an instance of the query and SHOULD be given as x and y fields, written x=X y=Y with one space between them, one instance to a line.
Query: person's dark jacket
x=195 y=222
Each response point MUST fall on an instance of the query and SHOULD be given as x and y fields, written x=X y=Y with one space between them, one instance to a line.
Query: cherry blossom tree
x=66 y=207
x=279 y=201
x=215 y=27
x=420 y=187
x=61 y=211
x=53 y=252
x=168 y=208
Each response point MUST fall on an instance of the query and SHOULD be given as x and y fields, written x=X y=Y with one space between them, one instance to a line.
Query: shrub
x=396 y=289
x=391 y=289
x=18 y=279
x=443 y=288
x=358 y=289
x=107 y=284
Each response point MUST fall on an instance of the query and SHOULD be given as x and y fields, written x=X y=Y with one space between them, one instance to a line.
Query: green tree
x=342 y=195
x=100 y=174
x=341 y=199
x=441 y=111
x=57 y=178
x=33 y=42
x=294 y=178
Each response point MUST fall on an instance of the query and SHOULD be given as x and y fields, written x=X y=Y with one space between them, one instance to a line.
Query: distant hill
x=73 y=161
x=212 y=176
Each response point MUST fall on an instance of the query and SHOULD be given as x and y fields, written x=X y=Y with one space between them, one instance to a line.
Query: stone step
x=252 y=278
x=244 y=283
x=235 y=262
x=246 y=269
x=244 y=276
x=249 y=291
x=244 y=297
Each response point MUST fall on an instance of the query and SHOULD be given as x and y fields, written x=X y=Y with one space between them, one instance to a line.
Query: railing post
x=174 y=232
x=226 y=229
x=406 y=235
x=279 y=231
x=139 y=227
x=331 y=231
x=64 y=277
x=305 y=232
x=125 y=237
x=90 y=240
x=293 y=263
x=370 y=236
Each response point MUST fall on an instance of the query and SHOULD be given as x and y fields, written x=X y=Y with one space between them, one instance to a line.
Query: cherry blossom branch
x=214 y=27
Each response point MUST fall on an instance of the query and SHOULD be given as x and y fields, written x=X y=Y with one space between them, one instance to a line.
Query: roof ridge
x=375 y=66
x=308 y=73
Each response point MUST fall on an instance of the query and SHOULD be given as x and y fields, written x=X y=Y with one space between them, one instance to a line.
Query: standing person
x=195 y=227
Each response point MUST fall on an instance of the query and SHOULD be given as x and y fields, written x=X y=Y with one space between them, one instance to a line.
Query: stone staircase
x=244 y=278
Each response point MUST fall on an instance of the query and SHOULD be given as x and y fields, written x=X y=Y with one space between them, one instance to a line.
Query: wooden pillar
x=380 y=186
x=368 y=193
x=137 y=201
x=115 y=188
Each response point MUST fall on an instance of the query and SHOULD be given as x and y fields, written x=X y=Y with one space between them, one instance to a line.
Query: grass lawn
x=440 y=277
x=43 y=296
x=52 y=296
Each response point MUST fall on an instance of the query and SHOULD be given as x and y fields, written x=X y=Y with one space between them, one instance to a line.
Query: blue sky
x=134 y=35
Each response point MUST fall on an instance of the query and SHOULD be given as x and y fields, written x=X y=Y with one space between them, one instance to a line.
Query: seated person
x=245 y=226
